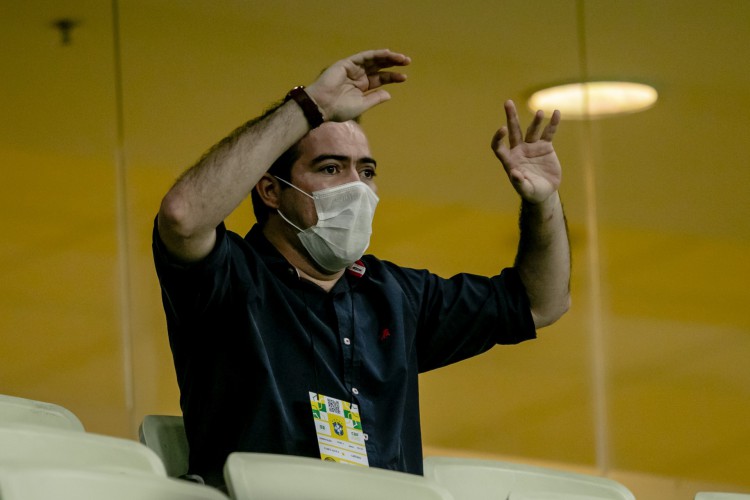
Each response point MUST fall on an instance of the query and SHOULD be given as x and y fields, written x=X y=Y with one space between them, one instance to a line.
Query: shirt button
x=355 y=391
x=347 y=341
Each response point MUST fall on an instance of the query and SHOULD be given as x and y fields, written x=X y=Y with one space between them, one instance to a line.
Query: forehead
x=333 y=138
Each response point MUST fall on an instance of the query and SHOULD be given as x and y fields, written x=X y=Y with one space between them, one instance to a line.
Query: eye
x=329 y=169
x=367 y=173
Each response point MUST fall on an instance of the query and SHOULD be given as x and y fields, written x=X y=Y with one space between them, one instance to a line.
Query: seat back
x=711 y=495
x=489 y=479
x=29 y=411
x=31 y=483
x=165 y=435
x=282 y=477
x=45 y=447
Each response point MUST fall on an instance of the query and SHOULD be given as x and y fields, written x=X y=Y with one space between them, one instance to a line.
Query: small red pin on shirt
x=385 y=334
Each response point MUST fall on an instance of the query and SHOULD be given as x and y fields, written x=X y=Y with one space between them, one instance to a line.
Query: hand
x=352 y=86
x=531 y=162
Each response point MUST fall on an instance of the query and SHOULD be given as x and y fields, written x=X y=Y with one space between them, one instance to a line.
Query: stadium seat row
x=45 y=452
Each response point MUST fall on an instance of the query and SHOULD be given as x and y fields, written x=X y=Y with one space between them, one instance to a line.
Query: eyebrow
x=342 y=158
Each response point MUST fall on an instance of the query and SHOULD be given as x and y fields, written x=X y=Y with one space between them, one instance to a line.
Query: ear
x=269 y=191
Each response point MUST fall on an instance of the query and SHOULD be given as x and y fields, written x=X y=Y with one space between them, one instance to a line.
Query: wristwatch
x=309 y=108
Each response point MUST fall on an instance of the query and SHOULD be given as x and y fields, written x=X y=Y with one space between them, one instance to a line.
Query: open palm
x=530 y=162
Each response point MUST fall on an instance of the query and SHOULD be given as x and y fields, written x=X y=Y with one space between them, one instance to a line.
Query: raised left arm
x=543 y=258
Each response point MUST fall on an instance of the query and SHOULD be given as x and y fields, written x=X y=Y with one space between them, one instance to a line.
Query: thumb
x=374 y=98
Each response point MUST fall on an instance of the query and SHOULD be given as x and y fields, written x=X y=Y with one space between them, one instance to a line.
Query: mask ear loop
x=288 y=221
x=295 y=187
x=279 y=211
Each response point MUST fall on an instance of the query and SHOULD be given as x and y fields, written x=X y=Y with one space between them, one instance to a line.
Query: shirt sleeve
x=188 y=290
x=468 y=314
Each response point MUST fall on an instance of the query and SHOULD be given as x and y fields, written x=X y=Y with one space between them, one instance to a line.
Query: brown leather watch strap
x=309 y=108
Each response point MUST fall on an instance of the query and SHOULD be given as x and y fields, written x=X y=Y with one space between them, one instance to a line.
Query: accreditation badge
x=339 y=430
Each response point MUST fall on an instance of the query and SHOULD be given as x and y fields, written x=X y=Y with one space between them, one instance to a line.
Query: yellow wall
x=645 y=376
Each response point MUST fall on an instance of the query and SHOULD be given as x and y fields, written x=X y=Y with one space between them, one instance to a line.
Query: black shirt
x=250 y=339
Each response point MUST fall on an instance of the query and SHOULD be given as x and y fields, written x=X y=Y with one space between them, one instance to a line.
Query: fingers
x=497 y=139
x=514 y=128
x=375 y=60
x=374 y=98
x=384 y=78
x=499 y=148
x=503 y=154
x=551 y=128
x=353 y=85
x=534 y=132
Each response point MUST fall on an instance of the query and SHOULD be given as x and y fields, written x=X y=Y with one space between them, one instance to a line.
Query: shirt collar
x=354 y=275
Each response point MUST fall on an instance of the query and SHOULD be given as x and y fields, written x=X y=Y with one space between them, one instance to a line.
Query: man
x=292 y=318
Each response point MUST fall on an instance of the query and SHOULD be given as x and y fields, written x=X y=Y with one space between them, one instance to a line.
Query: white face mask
x=342 y=233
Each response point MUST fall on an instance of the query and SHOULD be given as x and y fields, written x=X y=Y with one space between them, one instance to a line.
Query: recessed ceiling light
x=594 y=99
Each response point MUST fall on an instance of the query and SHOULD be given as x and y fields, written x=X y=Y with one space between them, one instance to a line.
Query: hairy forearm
x=543 y=259
x=209 y=191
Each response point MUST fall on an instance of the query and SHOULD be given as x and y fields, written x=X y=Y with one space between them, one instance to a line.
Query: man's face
x=331 y=155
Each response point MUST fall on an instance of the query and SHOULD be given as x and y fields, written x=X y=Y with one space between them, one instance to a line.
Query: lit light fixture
x=594 y=99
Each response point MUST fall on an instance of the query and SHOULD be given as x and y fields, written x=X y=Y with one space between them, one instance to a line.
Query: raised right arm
x=210 y=190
